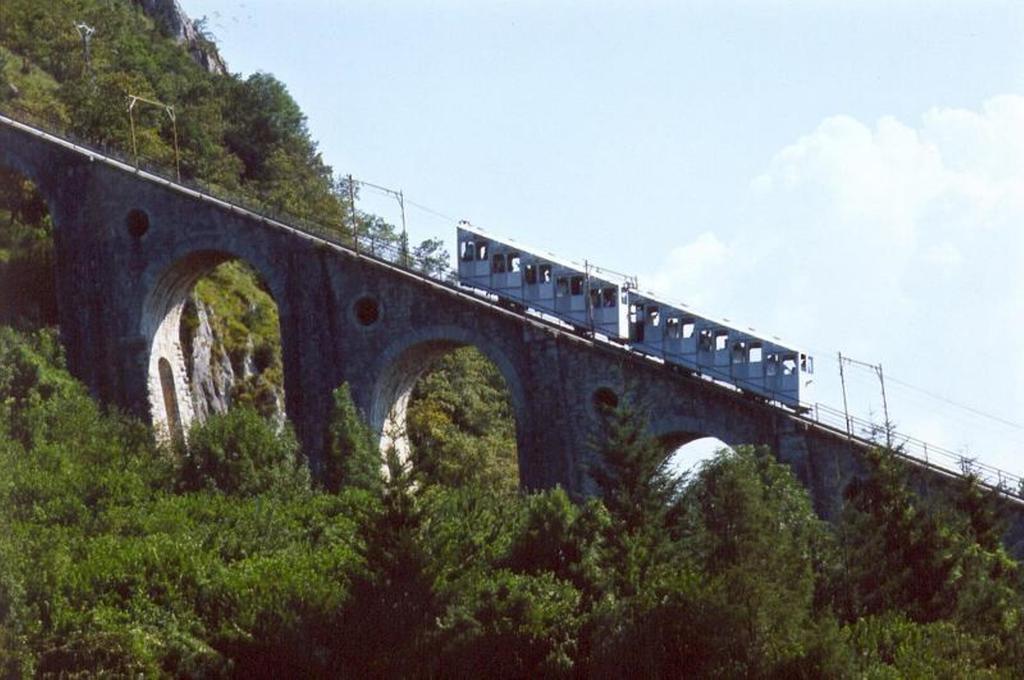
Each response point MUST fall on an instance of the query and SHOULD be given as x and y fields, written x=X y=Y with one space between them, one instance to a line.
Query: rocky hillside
x=170 y=16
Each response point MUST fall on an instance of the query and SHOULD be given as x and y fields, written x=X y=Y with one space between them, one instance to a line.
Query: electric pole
x=85 y=32
x=169 y=110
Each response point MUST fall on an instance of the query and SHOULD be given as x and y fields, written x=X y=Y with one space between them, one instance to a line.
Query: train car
x=604 y=303
x=714 y=348
x=588 y=298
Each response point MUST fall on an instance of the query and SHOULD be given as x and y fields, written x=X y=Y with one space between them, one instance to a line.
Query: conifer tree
x=350 y=454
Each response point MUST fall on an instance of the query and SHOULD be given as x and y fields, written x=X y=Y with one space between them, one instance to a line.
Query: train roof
x=611 y=275
x=623 y=279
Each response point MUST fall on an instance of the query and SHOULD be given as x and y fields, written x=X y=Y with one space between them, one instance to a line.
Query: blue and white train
x=608 y=306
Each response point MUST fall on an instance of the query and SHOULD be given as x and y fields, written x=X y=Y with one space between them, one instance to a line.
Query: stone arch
x=168 y=385
x=687 y=441
x=406 y=359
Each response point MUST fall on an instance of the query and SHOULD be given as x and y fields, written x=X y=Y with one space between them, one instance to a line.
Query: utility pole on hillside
x=86 y=31
x=169 y=110
x=352 y=212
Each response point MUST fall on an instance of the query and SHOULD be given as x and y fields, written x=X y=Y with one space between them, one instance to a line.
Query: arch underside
x=405 y=363
x=396 y=390
x=170 y=394
x=674 y=440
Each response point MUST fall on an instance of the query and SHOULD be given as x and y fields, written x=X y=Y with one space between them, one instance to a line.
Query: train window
x=636 y=313
x=689 y=326
x=595 y=298
x=468 y=250
x=576 y=285
x=756 y=353
x=562 y=286
x=498 y=264
x=806 y=363
x=721 y=340
x=672 y=327
x=772 y=364
x=513 y=262
x=739 y=352
x=481 y=250
x=654 y=314
x=789 y=364
x=530 y=275
x=608 y=296
x=545 y=273
x=705 y=340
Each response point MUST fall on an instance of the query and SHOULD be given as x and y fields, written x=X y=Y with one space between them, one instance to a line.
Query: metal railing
x=864 y=432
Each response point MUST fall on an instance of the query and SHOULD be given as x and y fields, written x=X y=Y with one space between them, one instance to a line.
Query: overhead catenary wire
x=858 y=376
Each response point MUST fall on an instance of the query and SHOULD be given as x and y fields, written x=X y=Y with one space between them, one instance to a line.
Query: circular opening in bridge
x=138 y=222
x=28 y=291
x=450 y=418
x=366 y=310
x=215 y=343
x=605 y=399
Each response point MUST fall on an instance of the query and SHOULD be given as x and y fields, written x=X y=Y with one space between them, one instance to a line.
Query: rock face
x=213 y=377
x=170 y=16
x=216 y=382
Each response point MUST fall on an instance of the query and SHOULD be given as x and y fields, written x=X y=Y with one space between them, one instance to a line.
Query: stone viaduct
x=130 y=246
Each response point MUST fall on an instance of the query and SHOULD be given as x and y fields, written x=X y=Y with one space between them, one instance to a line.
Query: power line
x=827 y=356
x=970 y=409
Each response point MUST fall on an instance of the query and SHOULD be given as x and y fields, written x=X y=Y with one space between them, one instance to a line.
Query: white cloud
x=686 y=270
x=898 y=242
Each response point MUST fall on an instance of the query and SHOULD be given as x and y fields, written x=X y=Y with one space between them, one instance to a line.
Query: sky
x=848 y=176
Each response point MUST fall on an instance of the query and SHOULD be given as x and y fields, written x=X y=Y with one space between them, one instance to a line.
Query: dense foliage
x=122 y=557
x=119 y=556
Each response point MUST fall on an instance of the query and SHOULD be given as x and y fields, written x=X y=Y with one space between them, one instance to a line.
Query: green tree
x=351 y=456
x=388 y=626
x=633 y=471
x=242 y=453
x=461 y=425
x=758 y=543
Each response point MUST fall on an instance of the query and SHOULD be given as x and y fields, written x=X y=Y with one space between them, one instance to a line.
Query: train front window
x=498 y=264
x=468 y=251
x=481 y=250
x=562 y=286
x=530 y=275
x=576 y=285
x=608 y=296
x=513 y=262
x=545 y=273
